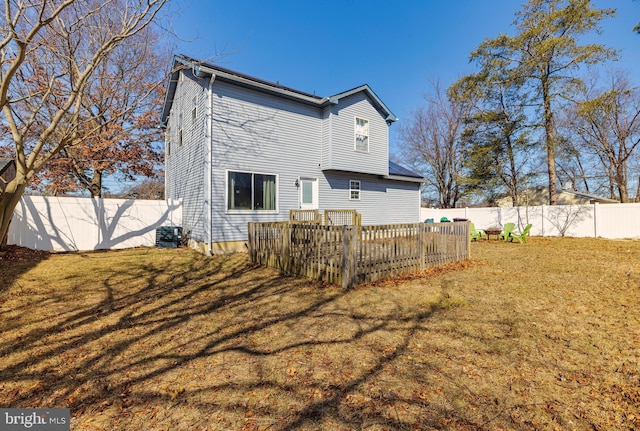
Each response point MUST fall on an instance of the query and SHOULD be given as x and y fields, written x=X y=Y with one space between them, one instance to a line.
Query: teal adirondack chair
x=476 y=234
x=506 y=232
x=521 y=236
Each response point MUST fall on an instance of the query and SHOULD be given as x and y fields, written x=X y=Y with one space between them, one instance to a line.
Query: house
x=7 y=172
x=567 y=196
x=240 y=149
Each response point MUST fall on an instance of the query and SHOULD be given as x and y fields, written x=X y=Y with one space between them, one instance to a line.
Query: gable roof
x=202 y=69
x=381 y=107
x=589 y=196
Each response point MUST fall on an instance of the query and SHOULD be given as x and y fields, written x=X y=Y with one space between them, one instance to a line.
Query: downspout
x=210 y=161
x=330 y=141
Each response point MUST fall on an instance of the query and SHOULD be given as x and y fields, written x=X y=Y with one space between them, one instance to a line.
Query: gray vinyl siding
x=342 y=154
x=325 y=161
x=185 y=165
x=256 y=132
x=381 y=201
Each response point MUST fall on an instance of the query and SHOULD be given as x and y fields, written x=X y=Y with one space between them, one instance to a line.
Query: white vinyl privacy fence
x=68 y=224
x=596 y=220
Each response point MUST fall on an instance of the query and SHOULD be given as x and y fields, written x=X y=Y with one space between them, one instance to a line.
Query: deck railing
x=349 y=255
x=342 y=218
x=305 y=216
x=331 y=217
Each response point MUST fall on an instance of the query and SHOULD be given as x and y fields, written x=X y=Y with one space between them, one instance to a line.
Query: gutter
x=403 y=178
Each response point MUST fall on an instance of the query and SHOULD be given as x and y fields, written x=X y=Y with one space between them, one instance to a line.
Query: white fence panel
x=572 y=220
x=618 y=220
x=69 y=224
x=597 y=220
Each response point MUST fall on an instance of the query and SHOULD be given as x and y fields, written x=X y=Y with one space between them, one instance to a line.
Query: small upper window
x=362 y=135
x=354 y=190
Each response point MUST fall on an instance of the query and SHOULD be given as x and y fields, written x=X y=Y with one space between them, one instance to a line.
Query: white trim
x=315 y=201
x=250 y=211
x=355 y=135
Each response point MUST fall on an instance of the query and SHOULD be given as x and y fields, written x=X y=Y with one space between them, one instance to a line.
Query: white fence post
x=596 y=219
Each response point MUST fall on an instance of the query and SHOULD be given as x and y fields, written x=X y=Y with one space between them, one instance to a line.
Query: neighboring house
x=540 y=196
x=239 y=149
x=7 y=172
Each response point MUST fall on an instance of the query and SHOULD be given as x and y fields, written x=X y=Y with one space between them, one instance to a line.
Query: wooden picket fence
x=349 y=255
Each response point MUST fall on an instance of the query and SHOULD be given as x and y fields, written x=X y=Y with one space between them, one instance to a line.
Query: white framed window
x=354 y=190
x=361 y=135
x=251 y=191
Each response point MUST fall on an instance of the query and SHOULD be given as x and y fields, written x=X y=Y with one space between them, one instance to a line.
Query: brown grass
x=541 y=336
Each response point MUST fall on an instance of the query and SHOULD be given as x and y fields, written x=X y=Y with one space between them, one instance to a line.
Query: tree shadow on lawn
x=15 y=261
x=220 y=342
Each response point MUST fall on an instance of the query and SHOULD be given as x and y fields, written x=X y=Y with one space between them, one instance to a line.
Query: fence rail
x=349 y=255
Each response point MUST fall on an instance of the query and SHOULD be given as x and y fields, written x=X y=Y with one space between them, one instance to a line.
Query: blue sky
x=331 y=46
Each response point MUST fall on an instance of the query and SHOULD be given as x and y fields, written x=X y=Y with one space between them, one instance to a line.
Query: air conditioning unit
x=168 y=236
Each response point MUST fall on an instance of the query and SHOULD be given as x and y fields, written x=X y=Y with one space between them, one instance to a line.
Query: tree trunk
x=96 y=184
x=549 y=141
x=620 y=178
x=624 y=193
x=513 y=173
x=9 y=200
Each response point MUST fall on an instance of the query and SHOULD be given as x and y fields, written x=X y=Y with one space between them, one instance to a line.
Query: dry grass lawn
x=541 y=336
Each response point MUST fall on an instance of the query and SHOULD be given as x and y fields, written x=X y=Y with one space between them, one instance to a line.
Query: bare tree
x=50 y=51
x=125 y=113
x=146 y=189
x=608 y=125
x=433 y=145
x=562 y=217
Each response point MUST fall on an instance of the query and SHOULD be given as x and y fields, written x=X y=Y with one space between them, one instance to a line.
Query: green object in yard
x=521 y=236
x=506 y=232
x=476 y=234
